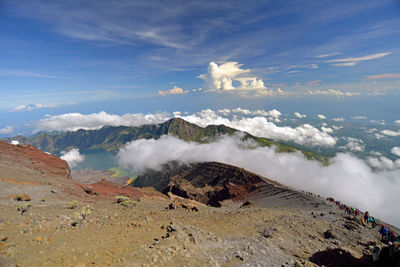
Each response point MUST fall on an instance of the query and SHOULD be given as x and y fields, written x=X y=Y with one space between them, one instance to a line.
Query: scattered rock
x=180 y=203
x=328 y=234
x=89 y=190
x=267 y=233
x=248 y=204
x=20 y=197
x=3 y=238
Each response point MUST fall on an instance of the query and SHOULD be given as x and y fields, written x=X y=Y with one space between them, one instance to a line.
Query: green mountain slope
x=112 y=138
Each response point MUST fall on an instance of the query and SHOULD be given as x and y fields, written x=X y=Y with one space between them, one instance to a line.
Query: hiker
x=366 y=216
x=384 y=232
x=372 y=221
x=393 y=237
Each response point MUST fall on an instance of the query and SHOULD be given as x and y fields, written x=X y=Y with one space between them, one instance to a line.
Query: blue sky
x=148 y=56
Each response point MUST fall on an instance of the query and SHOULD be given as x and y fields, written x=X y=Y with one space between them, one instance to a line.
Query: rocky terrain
x=254 y=222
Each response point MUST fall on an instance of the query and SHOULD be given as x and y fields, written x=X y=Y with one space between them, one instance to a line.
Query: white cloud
x=176 y=113
x=332 y=92
x=346 y=64
x=31 y=107
x=354 y=144
x=337 y=127
x=7 y=130
x=351 y=61
x=395 y=151
x=326 y=129
x=338 y=119
x=383 y=163
x=260 y=126
x=73 y=157
x=358 y=117
x=377 y=191
x=322 y=117
x=272 y=113
x=300 y=116
x=328 y=55
x=241 y=110
x=390 y=133
x=222 y=77
x=397 y=122
x=224 y=111
x=174 y=91
x=75 y=121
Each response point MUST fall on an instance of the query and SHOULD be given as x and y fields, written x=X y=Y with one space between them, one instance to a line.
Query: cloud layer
x=304 y=134
x=76 y=121
x=73 y=157
x=376 y=191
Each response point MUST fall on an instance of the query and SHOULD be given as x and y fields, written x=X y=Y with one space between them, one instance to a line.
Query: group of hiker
x=388 y=236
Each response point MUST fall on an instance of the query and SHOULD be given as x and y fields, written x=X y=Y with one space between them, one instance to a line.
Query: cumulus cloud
x=224 y=111
x=272 y=113
x=397 y=122
x=377 y=191
x=383 y=163
x=332 y=92
x=7 y=130
x=75 y=121
x=322 y=117
x=395 y=151
x=304 y=134
x=390 y=133
x=174 y=91
x=300 y=116
x=31 y=107
x=326 y=129
x=352 y=61
x=73 y=157
x=338 y=119
x=354 y=144
x=222 y=77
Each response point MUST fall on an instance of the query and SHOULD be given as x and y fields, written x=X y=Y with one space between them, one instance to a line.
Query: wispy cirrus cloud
x=31 y=107
x=23 y=73
x=384 y=76
x=352 y=61
x=328 y=55
x=331 y=92
x=314 y=82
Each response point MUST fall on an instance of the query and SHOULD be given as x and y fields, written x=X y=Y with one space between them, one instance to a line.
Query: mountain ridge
x=111 y=138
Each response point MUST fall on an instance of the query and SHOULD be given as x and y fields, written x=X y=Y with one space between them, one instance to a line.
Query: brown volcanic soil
x=155 y=233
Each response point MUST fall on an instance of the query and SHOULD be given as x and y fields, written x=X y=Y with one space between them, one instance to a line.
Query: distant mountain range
x=112 y=138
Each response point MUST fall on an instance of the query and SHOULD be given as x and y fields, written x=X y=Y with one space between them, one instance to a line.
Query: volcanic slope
x=112 y=138
x=159 y=231
x=213 y=182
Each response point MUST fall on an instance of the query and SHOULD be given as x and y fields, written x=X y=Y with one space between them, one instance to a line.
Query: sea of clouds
x=347 y=178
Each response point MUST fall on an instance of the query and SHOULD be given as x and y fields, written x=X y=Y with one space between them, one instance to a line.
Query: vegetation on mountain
x=112 y=138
